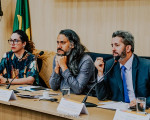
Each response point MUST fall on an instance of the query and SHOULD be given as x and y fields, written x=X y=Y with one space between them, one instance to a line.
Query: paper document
x=115 y=105
x=32 y=88
x=106 y=102
x=126 y=115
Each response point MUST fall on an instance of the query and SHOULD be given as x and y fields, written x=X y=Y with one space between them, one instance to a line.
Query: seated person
x=71 y=66
x=129 y=78
x=19 y=64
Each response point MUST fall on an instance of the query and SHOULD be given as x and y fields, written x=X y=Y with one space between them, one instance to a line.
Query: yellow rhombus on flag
x=21 y=19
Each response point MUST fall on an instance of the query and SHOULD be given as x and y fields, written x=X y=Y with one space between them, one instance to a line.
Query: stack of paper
x=126 y=115
x=32 y=88
x=115 y=105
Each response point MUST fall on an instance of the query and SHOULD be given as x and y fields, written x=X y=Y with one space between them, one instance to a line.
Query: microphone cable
x=85 y=98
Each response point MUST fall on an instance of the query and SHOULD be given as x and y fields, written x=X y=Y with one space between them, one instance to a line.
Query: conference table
x=36 y=109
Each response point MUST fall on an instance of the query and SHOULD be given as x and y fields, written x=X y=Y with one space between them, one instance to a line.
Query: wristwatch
x=7 y=81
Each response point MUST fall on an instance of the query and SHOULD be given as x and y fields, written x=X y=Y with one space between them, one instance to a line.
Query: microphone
x=1 y=12
x=87 y=104
x=39 y=54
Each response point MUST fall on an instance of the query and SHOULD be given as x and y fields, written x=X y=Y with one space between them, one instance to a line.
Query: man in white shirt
x=129 y=78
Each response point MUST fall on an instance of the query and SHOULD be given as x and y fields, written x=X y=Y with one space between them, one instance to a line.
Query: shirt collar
x=128 y=64
x=20 y=58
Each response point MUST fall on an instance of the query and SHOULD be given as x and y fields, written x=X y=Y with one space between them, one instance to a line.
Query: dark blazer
x=112 y=86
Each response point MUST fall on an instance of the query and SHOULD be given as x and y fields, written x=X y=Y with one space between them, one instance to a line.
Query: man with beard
x=129 y=78
x=71 y=66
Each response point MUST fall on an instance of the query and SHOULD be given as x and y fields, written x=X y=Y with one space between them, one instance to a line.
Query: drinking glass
x=66 y=92
x=140 y=104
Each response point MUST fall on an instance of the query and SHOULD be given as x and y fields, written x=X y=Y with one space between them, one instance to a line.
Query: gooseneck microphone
x=39 y=54
x=87 y=104
x=1 y=12
x=8 y=86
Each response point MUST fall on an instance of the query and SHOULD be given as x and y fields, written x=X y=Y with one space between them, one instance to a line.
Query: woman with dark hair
x=72 y=67
x=19 y=63
x=24 y=38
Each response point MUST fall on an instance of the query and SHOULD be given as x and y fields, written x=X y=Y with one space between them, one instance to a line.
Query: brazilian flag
x=21 y=19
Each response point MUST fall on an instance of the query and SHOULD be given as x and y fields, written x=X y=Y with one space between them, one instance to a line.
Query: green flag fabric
x=21 y=19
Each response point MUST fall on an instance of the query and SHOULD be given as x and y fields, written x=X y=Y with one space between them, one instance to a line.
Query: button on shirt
x=128 y=75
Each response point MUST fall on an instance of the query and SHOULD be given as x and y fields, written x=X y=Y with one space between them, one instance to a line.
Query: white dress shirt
x=128 y=75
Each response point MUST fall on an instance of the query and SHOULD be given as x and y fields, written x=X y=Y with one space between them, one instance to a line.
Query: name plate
x=71 y=108
x=6 y=95
x=127 y=115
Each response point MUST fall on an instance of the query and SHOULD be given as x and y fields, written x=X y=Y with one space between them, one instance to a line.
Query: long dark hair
x=76 y=53
x=24 y=38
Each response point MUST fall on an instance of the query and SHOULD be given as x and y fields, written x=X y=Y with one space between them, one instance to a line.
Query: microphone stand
x=8 y=86
x=87 y=104
x=41 y=53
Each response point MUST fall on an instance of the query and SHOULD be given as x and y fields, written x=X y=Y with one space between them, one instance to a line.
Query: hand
x=2 y=80
x=62 y=61
x=57 y=67
x=133 y=103
x=99 y=64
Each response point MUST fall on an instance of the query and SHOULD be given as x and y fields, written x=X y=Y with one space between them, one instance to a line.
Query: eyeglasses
x=15 y=41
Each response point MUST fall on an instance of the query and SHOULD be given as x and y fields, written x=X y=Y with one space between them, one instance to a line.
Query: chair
x=45 y=66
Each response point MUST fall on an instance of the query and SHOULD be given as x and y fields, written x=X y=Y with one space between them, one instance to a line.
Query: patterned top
x=13 y=67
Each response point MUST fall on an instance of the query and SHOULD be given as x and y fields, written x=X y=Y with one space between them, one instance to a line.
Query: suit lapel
x=134 y=70
x=118 y=77
x=134 y=74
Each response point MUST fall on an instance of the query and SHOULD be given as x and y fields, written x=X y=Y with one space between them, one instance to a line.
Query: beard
x=122 y=55
x=67 y=53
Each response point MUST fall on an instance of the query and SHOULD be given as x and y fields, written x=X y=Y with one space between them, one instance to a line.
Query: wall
x=6 y=24
x=93 y=20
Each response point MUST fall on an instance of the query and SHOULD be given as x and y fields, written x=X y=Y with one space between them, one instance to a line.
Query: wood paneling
x=6 y=24
x=35 y=109
x=18 y=113
x=93 y=20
